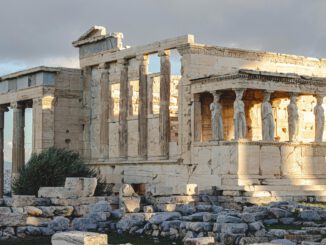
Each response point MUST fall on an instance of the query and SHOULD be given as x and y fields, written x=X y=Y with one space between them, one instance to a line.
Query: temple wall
x=208 y=60
x=67 y=104
x=238 y=164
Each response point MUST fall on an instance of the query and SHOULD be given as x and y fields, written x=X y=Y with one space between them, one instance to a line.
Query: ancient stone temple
x=247 y=123
x=54 y=94
x=236 y=120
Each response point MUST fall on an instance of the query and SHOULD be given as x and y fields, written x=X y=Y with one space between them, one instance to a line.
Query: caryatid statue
x=293 y=117
x=319 y=119
x=267 y=118
x=239 y=116
x=217 y=120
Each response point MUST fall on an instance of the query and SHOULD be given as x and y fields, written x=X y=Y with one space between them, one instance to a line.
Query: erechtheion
x=247 y=123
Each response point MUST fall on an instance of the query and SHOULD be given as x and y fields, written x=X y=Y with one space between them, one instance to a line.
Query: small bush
x=50 y=168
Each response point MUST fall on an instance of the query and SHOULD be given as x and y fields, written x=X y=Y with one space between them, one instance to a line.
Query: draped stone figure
x=293 y=118
x=319 y=119
x=239 y=117
x=217 y=120
x=267 y=118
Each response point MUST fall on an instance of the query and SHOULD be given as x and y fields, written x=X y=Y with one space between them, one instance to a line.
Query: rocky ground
x=173 y=217
x=282 y=223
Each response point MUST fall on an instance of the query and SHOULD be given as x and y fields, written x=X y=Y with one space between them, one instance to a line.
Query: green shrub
x=50 y=168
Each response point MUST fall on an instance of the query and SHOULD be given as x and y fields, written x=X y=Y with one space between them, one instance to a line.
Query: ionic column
x=104 y=116
x=293 y=117
x=18 y=139
x=319 y=118
x=164 y=117
x=197 y=118
x=123 y=109
x=239 y=117
x=143 y=106
x=2 y=122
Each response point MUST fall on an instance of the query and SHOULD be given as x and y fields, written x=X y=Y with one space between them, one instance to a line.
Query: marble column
x=123 y=109
x=164 y=117
x=104 y=115
x=197 y=118
x=293 y=118
x=239 y=117
x=3 y=109
x=143 y=106
x=319 y=118
x=18 y=138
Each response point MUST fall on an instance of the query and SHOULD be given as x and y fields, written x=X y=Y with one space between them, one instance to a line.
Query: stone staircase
x=297 y=189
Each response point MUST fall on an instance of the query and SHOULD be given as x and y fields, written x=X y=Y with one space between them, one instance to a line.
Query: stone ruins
x=248 y=124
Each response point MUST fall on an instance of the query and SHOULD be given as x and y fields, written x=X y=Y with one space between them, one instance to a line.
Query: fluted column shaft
x=164 y=118
x=18 y=138
x=123 y=109
x=143 y=106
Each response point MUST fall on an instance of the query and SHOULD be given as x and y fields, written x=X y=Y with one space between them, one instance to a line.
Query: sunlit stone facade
x=247 y=123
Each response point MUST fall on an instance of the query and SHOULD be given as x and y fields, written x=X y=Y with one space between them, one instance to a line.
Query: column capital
x=163 y=52
x=103 y=66
x=16 y=105
x=37 y=100
x=122 y=62
x=142 y=57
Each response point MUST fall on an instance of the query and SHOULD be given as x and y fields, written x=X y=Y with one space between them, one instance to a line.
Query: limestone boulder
x=59 y=224
x=148 y=209
x=234 y=228
x=165 y=207
x=197 y=226
x=185 y=209
x=158 y=218
x=51 y=211
x=4 y=210
x=224 y=218
x=279 y=212
x=37 y=221
x=130 y=204
x=101 y=206
x=83 y=224
x=167 y=225
x=59 y=192
x=130 y=220
x=282 y=242
x=200 y=241
x=79 y=238
x=20 y=201
x=126 y=190
x=13 y=219
x=310 y=215
x=86 y=185
x=33 y=211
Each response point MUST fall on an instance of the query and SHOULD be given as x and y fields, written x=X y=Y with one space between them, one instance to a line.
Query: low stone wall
x=22 y=216
x=174 y=217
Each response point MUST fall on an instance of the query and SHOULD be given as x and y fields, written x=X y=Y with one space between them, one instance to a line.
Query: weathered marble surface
x=217 y=119
x=79 y=238
x=268 y=124
x=239 y=117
